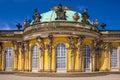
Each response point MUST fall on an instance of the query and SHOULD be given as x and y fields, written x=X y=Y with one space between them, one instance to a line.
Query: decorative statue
x=26 y=22
x=40 y=40
x=22 y=47
x=60 y=8
x=106 y=45
x=103 y=26
x=49 y=45
x=71 y=45
x=96 y=45
x=79 y=45
x=60 y=13
x=36 y=16
x=76 y=16
x=0 y=47
x=95 y=23
x=26 y=46
x=15 y=47
x=19 y=26
x=85 y=17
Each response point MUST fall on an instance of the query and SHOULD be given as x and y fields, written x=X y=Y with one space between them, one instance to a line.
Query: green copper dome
x=62 y=15
x=50 y=16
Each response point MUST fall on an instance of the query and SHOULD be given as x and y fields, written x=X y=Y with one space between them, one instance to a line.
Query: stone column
x=94 y=53
x=49 y=50
x=100 y=46
x=41 y=48
x=3 y=60
x=93 y=61
x=80 y=51
x=0 y=56
x=15 y=50
x=106 y=48
x=26 y=50
x=22 y=55
x=72 y=47
x=119 y=57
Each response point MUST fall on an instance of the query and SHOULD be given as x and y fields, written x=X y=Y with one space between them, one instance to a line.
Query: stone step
x=70 y=74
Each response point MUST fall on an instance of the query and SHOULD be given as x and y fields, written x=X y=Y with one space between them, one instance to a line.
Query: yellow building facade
x=60 y=40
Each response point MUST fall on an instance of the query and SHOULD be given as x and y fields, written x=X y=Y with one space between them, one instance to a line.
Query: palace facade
x=60 y=40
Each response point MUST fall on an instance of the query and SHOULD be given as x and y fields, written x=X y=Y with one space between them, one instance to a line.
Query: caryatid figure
x=49 y=45
x=41 y=44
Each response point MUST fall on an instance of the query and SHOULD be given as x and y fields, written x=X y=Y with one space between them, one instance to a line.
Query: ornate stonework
x=41 y=44
x=71 y=28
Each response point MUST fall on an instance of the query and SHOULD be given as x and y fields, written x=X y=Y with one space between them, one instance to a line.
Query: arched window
x=34 y=57
x=60 y=57
x=86 y=57
x=8 y=57
x=114 y=57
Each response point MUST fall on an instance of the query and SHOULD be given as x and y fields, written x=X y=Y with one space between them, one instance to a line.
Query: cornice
x=62 y=32
x=110 y=32
x=73 y=25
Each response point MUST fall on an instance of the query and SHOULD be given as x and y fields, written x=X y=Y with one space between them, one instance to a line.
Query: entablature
x=64 y=25
x=11 y=35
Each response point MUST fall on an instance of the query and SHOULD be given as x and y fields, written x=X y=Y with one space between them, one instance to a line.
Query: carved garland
x=1 y=47
x=15 y=43
x=41 y=44
x=49 y=45
x=26 y=46
x=71 y=45
x=79 y=45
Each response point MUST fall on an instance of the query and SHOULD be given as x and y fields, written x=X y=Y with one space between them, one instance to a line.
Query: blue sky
x=14 y=11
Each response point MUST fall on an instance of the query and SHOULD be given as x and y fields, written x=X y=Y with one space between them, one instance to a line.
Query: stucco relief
x=49 y=44
x=41 y=46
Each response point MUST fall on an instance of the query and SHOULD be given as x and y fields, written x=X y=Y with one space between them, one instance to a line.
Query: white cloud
x=4 y=26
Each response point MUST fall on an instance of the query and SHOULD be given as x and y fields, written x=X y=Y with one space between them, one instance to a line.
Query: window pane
x=8 y=57
x=60 y=56
x=35 y=57
x=114 y=57
x=86 y=57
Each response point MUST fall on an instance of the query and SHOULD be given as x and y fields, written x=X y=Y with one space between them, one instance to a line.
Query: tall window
x=34 y=57
x=60 y=56
x=114 y=57
x=86 y=57
x=8 y=57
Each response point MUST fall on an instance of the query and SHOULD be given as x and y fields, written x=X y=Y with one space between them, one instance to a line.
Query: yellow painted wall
x=100 y=62
x=103 y=60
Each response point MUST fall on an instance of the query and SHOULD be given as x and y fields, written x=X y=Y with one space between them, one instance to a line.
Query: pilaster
x=80 y=52
x=29 y=59
x=0 y=56
x=119 y=57
x=3 y=66
x=0 y=60
x=41 y=53
x=26 y=52
x=106 y=48
x=93 y=62
x=49 y=51
x=72 y=52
